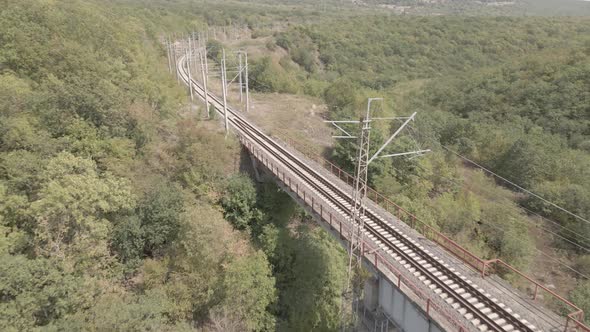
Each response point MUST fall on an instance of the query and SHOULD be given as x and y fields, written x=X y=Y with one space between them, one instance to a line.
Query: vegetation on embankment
x=510 y=93
x=132 y=214
x=118 y=210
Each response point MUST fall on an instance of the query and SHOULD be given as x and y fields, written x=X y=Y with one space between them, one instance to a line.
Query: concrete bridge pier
x=387 y=308
x=371 y=294
x=384 y=306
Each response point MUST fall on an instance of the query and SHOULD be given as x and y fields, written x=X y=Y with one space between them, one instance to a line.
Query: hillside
x=510 y=94
x=121 y=208
x=118 y=208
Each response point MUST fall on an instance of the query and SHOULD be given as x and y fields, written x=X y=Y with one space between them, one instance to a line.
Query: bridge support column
x=402 y=311
x=371 y=293
x=255 y=168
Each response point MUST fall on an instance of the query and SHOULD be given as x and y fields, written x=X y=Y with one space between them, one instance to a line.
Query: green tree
x=36 y=292
x=505 y=232
x=129 y=312
x=267 y=76
x=239 y=202
x=249 y=292
x=160 y=216
x=72 y=209
x=458 y=213
x=128 y=240
x=313 y=284
x=342 y=96
x=529 y=161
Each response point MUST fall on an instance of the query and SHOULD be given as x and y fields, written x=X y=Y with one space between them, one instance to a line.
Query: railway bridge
x=421 y=280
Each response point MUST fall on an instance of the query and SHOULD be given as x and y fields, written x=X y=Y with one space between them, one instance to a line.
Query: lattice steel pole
x=188 y=64
x=224 y=92
x=355 y=254
x=240 y=76
x=247 y=68
x=203 y=59
x=359 y=193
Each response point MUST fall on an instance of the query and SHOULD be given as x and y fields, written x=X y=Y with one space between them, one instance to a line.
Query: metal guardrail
x=451 y=246
x=334 y=221
x=574 y=320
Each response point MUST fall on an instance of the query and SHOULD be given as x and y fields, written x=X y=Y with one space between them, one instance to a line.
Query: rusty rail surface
x=575 y=318
x=334 y=222
x=427 y=230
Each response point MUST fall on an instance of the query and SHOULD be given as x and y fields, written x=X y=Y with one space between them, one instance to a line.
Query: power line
x=556 y=260
x=516 y=185
x=537 y=249
x=573 y=242
x=577 y=234
x=547 y=255
x=554 y=223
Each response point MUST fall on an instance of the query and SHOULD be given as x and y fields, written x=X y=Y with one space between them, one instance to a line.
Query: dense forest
x=509 y=94
x=119 y=209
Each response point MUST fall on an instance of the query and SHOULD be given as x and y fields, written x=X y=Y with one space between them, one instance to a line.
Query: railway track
x=472 y=303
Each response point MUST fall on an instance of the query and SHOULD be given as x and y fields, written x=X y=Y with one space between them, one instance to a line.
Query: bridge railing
x=574 y=320
x=402 y=214
x=335 y=222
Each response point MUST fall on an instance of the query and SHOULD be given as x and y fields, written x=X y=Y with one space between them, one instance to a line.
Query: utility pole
x=224 y=92
x=168 y=53
x=246 y=68
x=240 y=75
x=190 y=76
x=357 y=211
x=195 y=65
x=174 y=50
x=202 y=55
x=355 y=251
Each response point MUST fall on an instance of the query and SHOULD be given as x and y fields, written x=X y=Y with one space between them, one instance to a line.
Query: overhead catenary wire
x=578 y=236
x=584 y=246
x=556 y=260
x=517 y=186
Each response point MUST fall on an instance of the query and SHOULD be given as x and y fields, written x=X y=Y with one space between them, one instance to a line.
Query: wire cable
x=517 y=186
x=556 y=260
x=576 y=234
x=546 y=255
x=584 y=246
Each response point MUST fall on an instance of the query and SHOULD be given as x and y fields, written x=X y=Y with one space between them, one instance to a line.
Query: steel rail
x=247 y=129
x=411 y=260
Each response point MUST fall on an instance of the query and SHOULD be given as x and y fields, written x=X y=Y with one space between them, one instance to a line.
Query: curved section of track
x=467 y=299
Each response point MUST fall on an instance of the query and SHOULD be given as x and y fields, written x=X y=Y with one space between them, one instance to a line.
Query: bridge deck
x=446 y=289
x=534 y=312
